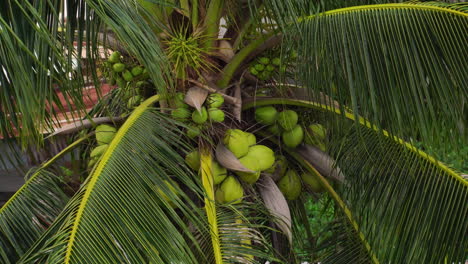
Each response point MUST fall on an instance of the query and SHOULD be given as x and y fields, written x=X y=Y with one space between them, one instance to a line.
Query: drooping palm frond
x=405 y=203
x=36 y=59
x=401 y=66
x=31 y=210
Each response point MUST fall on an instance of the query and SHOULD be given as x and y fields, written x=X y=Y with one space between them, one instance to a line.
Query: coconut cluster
x=266 y=67
x=286 y=124
x=104 y=135
x=129 y=77
x=209 y=112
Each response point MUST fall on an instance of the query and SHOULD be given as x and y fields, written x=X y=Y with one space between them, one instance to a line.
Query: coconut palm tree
x=228 y=119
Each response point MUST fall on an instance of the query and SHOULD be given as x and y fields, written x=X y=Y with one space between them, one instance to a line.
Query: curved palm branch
x=401 y=66
x=31 y=210
x=394 y=192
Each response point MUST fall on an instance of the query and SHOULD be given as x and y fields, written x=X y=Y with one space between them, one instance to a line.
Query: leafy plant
x=239 y=131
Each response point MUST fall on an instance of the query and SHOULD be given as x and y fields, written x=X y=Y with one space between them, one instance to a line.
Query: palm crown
x=227 y=118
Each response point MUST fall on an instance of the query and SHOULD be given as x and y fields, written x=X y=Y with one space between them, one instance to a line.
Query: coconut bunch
x=128 y=76
x=104 y=135
x=197 y=120
x=286 y=124
x=265 y=67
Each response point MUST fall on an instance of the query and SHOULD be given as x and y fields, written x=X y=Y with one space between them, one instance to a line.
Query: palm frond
x=36 y=58
x=405 y=203
x=31 y=210
x=393 y=64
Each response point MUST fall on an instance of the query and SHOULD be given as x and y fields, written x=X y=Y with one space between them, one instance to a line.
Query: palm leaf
x=406 y=204
x=31 y=210
x=393 y=64
x=36 y=55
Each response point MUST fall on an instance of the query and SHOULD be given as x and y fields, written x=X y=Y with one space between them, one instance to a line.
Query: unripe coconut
x=294 y=137
x=266 y=115
x=193 y=160
x=318 y=131
x=215 y=100
x=172 y=189
x=287 y=119
x=231 y=190
x=216 y=115
x=275 y=129
x=264 y=155
x=253 y=71
x=114 y=57
x=312 y=182
x=279 y=167
x=251 y=163
x=98 y=151
x=251 y=139
x=105 y=134
x=193 y=132
x=264 y=60
x=276 y=61
x=137 y=70
x=127 y=76
x=270 y=68
x=290 y=185
x=200 y=117
x=219 y=196
x=118 y=67
x=259 y=67
x=179 y=101
x=264 y=75
x=219 y=172
x=237 y=142
x=134 y=101
x=92 y=162
x=181 y=114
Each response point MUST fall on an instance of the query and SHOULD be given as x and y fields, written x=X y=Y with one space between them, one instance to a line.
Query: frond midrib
x=100 y=167
x=384 y=7
x=363 y=122
x=44 y=166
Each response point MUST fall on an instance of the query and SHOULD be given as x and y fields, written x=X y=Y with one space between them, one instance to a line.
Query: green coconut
x=120 y=82
x=318 y=131
x=251 y=163
x=105 y=134
x=137 y=70
x=114 y=57
x=193 y=132
x=276 y=61
x=193 y=160
x=264 y=155
x=232 y=190
x=290 y=185
x=134 y=101
x=98 y=151
x=287 y=119
x=127 y=76
x=253 y=71
x=181 y=114
x=312 y=182
x=270 y=68
x=264 y=75
x=179 y=101
x=215 y=100
x=259 y=67
x=280 y=166
x=216 y=115
x=118 y=67
x=172 y=189
x=219 y=196
x=201 y=116
x=264 y=60
x=237 y=142
x=275 y=129
x=251 y=139
x=266 y=115
x=219 y=172
x=92 y=162
x=294 y=137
